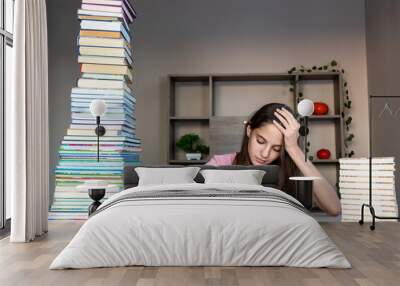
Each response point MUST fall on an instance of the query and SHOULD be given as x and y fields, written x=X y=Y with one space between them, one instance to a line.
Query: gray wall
x=383 y=46
x=63 y=27
x=225 y=36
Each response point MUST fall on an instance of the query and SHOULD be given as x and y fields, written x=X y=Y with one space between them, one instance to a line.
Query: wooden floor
x=375 y=257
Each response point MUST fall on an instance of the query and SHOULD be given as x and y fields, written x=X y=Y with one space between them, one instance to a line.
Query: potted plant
x=190 y=144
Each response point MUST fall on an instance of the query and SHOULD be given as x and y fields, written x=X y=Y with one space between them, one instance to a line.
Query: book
x=105 y=51
x=365 y=197
x=97 y=83
x=97 y=18
x=104 y=2
x=109 y=127
x=101 y=34
x=356 y=179
x=106 y=26
x=68 y=216
x=102 y=138
x=354 y=184
x=110 y=97
x=111 y=103
x=374 y=160
x=375 y=167
x=378 y=202
x=109 y=112
x=70 y=188
x=103 y=122
x=366 y=191
x=379 y=211
x=106 y=76
x=365 y=186
x=104 y=42
x=107 y=69
x=92 y=132
x=103 y=60
x=79 y=113
x=96 y=91
x=365 y=173
x=118 y=15
x=106 y=95
x=125 y=8
x=105 y=8
x=91 y=163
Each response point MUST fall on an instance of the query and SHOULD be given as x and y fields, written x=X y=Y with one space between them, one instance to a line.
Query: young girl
x=271 y=137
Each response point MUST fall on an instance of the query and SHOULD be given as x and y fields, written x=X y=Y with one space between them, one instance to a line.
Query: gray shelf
x=208 y=82
x=324 y=117
x=318 y=75
x=252 y=77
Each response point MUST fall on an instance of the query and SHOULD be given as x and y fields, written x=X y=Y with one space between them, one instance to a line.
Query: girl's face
x=265 y=144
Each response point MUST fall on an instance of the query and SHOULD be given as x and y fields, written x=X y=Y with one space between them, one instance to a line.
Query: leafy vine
x=332 y=66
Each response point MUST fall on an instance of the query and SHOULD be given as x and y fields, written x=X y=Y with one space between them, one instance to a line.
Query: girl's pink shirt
x=222 y=160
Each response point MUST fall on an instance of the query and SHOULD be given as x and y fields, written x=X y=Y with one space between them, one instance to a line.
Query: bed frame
x=270 y=178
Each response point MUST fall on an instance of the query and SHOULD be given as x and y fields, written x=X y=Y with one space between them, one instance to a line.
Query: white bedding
x=183 y=231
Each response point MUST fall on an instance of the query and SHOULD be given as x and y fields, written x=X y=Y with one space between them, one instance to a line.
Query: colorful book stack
x=354 y=187
x=105 y=58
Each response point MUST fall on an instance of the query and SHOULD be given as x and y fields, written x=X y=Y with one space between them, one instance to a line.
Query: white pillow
x=162 y=176
x=249 y=177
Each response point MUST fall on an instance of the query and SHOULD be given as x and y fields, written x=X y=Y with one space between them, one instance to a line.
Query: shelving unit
x=209 y=103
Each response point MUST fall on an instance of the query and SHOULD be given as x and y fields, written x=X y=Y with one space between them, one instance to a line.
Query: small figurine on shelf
x=320 y=108
x=323 y=154
x=190 y=144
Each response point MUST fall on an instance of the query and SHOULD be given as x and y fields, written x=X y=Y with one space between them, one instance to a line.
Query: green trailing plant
x=190 y=143
x=332 y=66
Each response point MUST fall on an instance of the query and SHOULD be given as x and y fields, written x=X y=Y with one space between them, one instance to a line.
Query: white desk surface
x=301 y=178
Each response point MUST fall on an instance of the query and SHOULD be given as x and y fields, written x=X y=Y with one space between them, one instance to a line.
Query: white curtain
x=27 y=147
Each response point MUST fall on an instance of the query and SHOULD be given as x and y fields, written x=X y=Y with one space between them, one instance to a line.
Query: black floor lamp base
x=374 y=216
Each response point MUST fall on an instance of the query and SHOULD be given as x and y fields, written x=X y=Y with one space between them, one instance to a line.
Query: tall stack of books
x=105 y=57
x=354 y=187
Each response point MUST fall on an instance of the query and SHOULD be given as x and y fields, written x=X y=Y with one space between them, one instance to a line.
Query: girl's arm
x=323 y=192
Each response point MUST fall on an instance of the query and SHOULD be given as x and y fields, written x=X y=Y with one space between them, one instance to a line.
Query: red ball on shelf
x=320 y=108
x=323 y=154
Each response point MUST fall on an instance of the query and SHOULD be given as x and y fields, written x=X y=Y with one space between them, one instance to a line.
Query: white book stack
x=354 y=187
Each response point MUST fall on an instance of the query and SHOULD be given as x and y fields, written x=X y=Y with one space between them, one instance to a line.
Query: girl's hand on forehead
x=290 y=129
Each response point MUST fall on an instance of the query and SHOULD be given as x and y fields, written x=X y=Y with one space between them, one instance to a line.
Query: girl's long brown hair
x=287 y=167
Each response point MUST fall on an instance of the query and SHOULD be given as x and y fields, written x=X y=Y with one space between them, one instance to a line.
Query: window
x=6 y=46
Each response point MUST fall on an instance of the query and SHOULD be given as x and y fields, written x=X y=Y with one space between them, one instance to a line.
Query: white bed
x=225 y=225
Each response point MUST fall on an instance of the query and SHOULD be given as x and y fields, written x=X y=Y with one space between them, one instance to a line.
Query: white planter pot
x=193 y=156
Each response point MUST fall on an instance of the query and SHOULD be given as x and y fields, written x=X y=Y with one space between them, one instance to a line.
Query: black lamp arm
x=100 y=131
x=303 y=131
x=305 y=138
